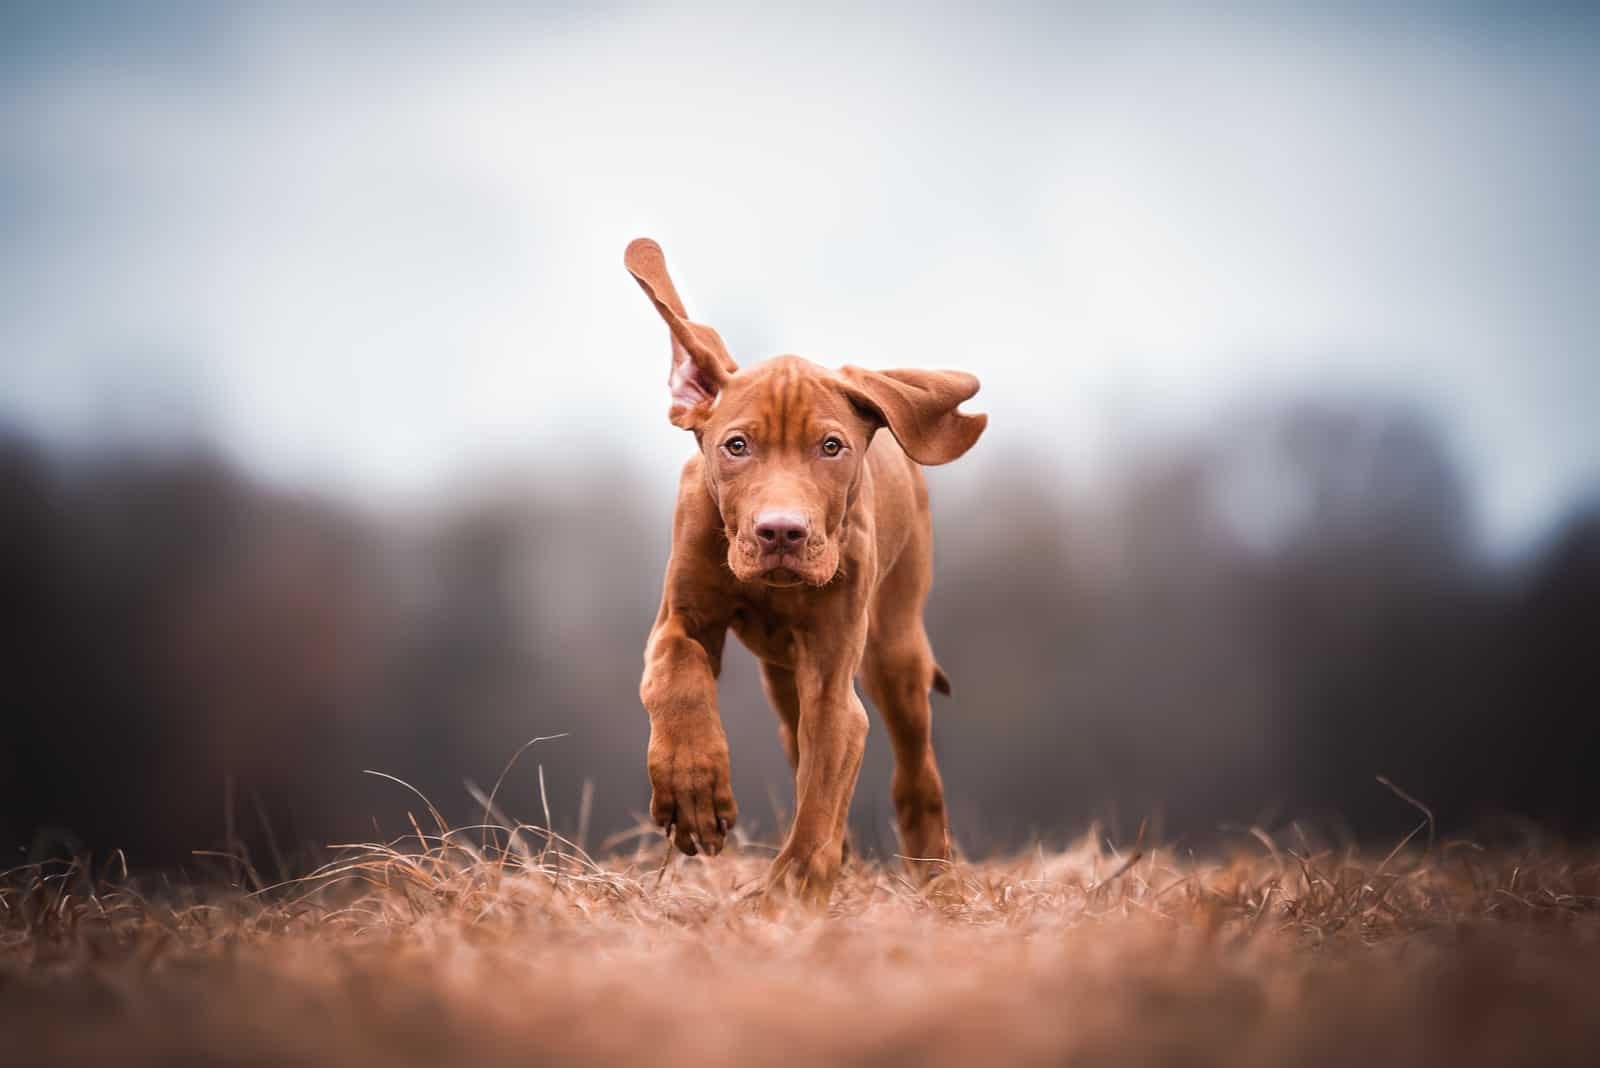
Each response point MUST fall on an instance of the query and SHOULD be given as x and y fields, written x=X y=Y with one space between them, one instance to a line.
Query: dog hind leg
x=898 y=671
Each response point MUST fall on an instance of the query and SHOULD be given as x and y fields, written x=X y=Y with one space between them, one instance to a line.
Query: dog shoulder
x=694 y=497
x=697 y=523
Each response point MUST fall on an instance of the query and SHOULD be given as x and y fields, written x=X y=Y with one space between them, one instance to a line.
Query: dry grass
x=486 y=947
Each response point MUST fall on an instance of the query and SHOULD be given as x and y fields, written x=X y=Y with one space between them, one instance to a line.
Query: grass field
x=476 y=946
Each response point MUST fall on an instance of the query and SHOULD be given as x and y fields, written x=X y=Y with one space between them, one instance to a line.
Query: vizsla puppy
x=807 y=532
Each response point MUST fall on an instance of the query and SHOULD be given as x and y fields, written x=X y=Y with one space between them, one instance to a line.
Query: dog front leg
x=832 y=736
x=691 y=788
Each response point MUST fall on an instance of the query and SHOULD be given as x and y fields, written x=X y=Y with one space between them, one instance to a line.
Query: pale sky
x=379 y=253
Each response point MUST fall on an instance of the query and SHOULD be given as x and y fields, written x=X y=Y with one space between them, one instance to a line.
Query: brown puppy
x=808 y=533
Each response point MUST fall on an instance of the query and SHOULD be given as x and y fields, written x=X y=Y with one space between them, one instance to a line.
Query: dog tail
x=941 y=681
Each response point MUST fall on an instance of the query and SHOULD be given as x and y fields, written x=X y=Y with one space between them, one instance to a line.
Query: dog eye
x=736 y=446
x=832 y=446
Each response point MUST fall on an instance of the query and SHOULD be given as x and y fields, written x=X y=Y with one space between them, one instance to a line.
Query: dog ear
x=919 y=408
x=700 y=361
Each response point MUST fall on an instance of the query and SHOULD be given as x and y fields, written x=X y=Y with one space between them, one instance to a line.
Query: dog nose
x=781 y=530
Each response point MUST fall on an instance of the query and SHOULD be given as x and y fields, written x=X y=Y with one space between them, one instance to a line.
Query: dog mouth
x=791 y=571
x=782 y=570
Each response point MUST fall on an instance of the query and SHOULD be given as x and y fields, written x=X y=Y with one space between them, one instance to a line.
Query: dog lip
x=782 y=570
x=780 y=577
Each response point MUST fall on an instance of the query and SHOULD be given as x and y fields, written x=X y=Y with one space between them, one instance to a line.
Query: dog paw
x=691 y=788
x=805 y=876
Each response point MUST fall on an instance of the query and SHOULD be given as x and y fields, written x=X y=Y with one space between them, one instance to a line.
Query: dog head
x=785 y=441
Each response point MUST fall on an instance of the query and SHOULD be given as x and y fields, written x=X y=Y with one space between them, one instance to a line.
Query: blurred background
x=333 y=434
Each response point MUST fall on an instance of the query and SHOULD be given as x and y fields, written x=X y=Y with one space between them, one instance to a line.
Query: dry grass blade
x=491 y=812
x=500 y=781
x=1418 y=805
x=438 y=820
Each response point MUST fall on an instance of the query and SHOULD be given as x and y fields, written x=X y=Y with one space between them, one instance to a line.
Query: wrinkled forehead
x=783 y=400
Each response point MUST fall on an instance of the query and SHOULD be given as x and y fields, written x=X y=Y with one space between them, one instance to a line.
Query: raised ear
x=700 y=361
x=919 y=408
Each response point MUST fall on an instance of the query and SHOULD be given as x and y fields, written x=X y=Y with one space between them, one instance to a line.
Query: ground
x=473 y=948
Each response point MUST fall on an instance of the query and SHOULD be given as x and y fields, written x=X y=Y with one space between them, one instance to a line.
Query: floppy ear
x=700 y=361
x=919 y=408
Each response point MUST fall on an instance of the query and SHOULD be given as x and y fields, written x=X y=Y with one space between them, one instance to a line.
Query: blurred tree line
x=1240 y=628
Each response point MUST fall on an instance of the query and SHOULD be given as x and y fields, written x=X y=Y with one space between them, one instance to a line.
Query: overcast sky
x=379 y=252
